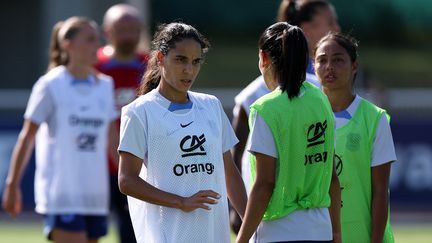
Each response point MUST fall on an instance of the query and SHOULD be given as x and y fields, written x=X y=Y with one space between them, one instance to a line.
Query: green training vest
x=302 y=129
x=354 y=143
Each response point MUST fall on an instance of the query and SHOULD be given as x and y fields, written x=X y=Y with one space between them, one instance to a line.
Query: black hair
x=164 y=40
x=349 y=43
x=287 y=48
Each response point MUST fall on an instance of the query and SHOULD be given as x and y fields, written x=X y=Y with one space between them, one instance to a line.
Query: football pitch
x=25 y=231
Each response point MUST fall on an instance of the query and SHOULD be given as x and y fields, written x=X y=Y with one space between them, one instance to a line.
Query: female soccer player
x=71 y=108
x=316 y=18
x=292 y=145
x=364 y=143
x=175 y=159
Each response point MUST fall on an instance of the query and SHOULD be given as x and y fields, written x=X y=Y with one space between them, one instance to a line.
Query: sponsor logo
x=316 y=136
x=180 y=169
x=342 y=188
x=316 y=133
x=193 y=145
x=339 y=168
x=185 y=125
x=86 y=122
x=86 y=142
x=315 y=158
x=339 y=164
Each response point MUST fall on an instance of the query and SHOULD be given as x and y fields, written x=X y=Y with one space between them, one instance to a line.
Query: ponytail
x=288 y=50
x=293 y=61
x=56 y=55
x=152 y=76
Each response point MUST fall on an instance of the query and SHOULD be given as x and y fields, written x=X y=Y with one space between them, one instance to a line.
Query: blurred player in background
x=71 y=115
x=120 y=59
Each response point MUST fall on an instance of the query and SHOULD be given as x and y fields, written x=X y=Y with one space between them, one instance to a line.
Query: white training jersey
x=183 y=155
x=71 y=159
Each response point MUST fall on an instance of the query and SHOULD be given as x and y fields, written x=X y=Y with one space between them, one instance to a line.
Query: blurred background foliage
x=394 y=35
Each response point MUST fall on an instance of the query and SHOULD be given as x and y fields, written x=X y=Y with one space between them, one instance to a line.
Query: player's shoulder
x=136 y=105
x=370 y=106
x=144 y=100
x=54 y=75
x=203 y=98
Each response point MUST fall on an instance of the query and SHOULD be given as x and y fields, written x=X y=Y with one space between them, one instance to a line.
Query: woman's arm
x=235 y=186
x=380 y=200
x=113 y=141
x=259 y=197
x=131 y=184
x=335 y=206
x=12 y=198
x=241 y=129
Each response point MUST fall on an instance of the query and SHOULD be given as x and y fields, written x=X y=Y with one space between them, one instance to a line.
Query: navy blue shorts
x=95 y=226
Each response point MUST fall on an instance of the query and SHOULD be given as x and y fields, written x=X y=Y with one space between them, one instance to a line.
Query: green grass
x=24 y=232
x=32 y=232
x=413 y=233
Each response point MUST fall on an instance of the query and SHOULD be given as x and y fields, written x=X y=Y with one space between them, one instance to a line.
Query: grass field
x=30 y=231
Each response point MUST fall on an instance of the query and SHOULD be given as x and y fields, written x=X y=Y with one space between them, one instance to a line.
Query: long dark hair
x=288 y=49
x=164 y=40
x=295 y=12
x=64 y=30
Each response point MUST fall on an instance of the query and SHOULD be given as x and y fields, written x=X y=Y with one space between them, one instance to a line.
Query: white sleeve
x=40 y=104
x=229 y=139
x=133 y=135
x=261 y=138
x=383 y=150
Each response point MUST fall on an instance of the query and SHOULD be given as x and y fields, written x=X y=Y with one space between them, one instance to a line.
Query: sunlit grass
x=18 y=231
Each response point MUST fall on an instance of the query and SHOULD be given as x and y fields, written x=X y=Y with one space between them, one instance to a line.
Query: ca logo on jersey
x=193 y=145
x=339 y=164
x=316 y=133
x=86 y=142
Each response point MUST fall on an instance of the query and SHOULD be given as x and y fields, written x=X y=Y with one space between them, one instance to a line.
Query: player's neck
x=340 y=100
x=79 y=71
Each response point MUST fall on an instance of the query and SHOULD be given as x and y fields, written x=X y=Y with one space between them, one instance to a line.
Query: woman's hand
x=12 y=200
x=200 y=199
